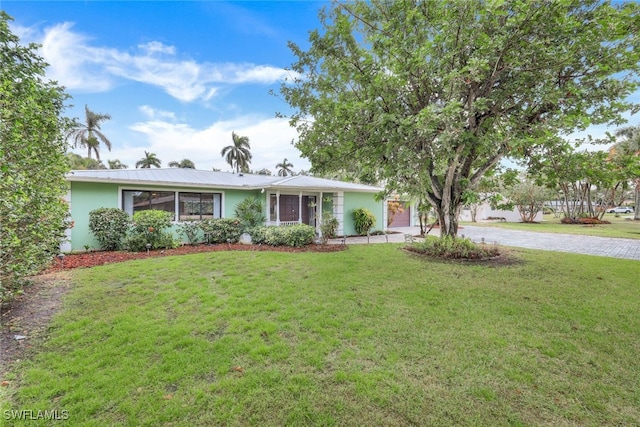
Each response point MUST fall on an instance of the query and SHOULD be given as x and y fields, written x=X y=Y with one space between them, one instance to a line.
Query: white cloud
x=72 y=62
x=152 y=113
x=157 y=47
x=270 y=141
x=78 y=65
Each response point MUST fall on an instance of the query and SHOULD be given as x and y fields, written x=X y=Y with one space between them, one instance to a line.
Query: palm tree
x=630 y=146
x=148 y=160
x=184 y=163
x=116 y=164
x=88 y=134
x=284 y=168
x=237 y=155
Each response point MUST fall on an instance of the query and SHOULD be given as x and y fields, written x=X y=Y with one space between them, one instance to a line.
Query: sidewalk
x=587 y=245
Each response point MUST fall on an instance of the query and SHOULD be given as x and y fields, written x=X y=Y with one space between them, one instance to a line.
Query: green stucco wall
x=353 y=201
x=233 y=197
x=86 y=197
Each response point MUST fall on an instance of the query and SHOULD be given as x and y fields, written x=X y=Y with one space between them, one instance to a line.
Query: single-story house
x=191 y=194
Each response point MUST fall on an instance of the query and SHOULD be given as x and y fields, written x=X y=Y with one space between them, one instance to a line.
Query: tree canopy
x=149 y=159
x=184 y=163
x=32 y=162
x=89 y=134
x=430 y=96
x=284 y=168
x=238 y=155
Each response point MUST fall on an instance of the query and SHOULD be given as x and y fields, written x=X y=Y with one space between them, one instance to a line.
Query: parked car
x=620 y=209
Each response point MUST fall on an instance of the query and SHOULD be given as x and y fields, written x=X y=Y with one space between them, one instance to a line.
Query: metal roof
x=185 y=177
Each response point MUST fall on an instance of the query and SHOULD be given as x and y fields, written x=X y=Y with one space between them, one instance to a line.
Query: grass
x=370 y=336
x=620 y=227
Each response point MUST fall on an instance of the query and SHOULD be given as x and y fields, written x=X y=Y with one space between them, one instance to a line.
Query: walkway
x=588 y=245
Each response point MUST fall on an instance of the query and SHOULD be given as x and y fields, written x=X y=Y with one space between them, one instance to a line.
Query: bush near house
x=109 y=226
x=149 y=228
x=250 y=213
x=294 y=235
x=328 y=227
x=364 y=220
x=222 y=230
x=191 y=230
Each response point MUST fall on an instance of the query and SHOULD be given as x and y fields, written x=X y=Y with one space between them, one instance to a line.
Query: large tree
x=184 y=163
x=32 y=162
x=116 y=164
x=89 y=134
x=238 y=155
x=284 y=168
x=149 y=159
x=431 y=95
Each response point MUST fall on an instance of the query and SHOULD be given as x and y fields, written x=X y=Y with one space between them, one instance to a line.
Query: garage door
x=401 y=219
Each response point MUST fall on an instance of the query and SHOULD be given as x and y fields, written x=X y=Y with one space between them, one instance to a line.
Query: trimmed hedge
x=109 y=226
x=222 y=230
x=149 y=228
x=294 y=235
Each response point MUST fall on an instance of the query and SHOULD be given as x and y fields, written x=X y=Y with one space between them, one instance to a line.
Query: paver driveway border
x=587 y=245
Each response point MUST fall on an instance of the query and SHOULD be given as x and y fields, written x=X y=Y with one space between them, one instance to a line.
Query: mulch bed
x=94 y=258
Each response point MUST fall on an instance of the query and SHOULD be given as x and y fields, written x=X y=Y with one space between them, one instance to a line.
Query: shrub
x=294 y=235
x=222 y=230
x=149 y=228
x=364 y=220
x=328 y=227
x=250 y=213
x=583 y=220
x=259 y=234
x=190 y=229
x=454 y=248
x=109 y=226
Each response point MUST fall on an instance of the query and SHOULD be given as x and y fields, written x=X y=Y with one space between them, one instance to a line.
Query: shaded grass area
x=620 y=227
x=369 y=336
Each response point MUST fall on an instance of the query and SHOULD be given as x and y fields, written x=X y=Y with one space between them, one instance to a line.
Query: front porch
x=287 y=209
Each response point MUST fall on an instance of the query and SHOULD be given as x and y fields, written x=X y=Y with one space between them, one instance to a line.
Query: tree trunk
x=448 y=214
x=473 y=208
x=636 y=207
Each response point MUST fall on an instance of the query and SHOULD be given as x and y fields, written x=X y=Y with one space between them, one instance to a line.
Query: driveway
x=588 y=245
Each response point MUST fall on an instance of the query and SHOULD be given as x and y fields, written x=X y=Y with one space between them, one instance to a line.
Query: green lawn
x=620 y=227
x=370 y=336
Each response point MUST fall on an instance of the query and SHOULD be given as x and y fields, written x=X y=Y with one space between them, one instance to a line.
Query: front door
x=289 y=208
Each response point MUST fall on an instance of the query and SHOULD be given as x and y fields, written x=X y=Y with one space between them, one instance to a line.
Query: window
x=198 y=206
x=190 y=207
x=134 y=201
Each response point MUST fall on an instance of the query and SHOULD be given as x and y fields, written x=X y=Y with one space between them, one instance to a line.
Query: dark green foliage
x=328 y=227
x=428 y=97
x=293 y=235
x=109 y=226
x=250 y=213
x=149 y=227
x=191 y=229
x=33 y=215
x=259 y=235
x=364 y=220
x=222 y=230
x=454 y=248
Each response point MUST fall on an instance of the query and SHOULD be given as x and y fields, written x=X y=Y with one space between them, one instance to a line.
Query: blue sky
x=177 y=77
